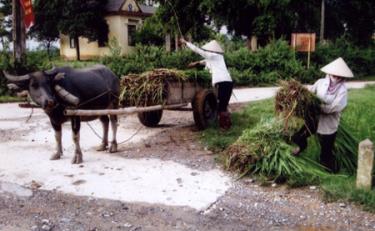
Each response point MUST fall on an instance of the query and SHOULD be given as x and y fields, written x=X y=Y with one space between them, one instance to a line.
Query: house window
x=103 y=40
x=131 y=34
x=72 y=42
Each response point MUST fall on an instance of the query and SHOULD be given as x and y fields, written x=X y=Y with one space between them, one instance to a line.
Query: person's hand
x=193 y=64
x=182 y=40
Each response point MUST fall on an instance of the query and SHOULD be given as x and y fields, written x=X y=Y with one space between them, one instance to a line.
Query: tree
x=236 y=15
x=47 y=16
x=264 y=18
x=5 y=21
x=355 y=18
x=151 y=32
x=188 y=17
x=84 y=18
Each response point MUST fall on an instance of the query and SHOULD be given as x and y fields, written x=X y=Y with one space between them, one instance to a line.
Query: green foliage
x=47 y=16
x=266 y=66
x=5 y=64
x=151 y=32
x=355 y=19
x=84 y=18
x=146 y=58
x=263 y=150
x=184 y=16
x=5 y=22
x=360 y=59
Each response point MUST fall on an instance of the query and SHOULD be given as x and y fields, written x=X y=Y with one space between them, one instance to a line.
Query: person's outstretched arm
x=203 y=53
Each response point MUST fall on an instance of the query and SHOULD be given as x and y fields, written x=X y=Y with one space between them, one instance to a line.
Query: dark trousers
x=308 y=129
x=327 y=158
x=326 y=142
x=224 y=91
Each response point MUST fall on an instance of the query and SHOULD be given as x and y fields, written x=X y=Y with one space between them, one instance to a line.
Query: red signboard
x=303 y=41
x=28 y=13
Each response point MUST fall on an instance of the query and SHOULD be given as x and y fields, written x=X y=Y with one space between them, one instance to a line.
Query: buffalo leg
x=58 y=135
x=114 y=121
x=76 y=125
x=105 y=124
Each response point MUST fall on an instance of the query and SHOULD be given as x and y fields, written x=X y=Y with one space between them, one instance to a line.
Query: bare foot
x=296 y=151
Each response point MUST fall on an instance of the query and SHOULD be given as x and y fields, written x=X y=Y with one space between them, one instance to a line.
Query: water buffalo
x=64 y=87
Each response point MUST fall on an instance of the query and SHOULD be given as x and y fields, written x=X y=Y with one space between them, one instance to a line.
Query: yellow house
x=123 y=17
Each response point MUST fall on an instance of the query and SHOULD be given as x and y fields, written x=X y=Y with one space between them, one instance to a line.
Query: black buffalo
x=64 y=87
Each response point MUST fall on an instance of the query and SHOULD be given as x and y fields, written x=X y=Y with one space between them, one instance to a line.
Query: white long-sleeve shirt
x=332 y=106
x=214 y=63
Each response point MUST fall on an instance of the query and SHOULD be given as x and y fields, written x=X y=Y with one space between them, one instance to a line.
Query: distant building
x=123 y=17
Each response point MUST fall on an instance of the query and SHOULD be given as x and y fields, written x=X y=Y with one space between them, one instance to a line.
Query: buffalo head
x=42 y=87
x=39 y=85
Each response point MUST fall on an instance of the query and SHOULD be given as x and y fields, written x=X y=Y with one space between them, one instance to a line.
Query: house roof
x=147 y=9
x=115 y=6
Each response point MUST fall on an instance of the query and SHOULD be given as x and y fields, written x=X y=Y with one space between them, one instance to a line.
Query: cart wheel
x=150 y=118
x=204 y=108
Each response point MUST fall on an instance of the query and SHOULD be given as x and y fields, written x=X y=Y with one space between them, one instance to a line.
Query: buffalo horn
x=67 y=96
x=23 y=94
x=15 y=78
x=59 y=76
x=13 y=87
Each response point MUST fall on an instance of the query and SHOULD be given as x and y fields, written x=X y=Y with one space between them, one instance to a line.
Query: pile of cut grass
x=265 y=151
x=148 y=88
x=294 y=100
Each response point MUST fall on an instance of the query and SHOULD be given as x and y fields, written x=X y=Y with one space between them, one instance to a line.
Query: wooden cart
x=179 y=95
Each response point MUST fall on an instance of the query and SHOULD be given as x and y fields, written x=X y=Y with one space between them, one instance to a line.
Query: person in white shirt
x=333 y=93
x=214 y=61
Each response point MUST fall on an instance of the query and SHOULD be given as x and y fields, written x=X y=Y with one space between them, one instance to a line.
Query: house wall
x=117 y=28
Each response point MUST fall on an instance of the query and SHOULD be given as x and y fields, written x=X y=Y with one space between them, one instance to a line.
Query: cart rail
x=121 y=111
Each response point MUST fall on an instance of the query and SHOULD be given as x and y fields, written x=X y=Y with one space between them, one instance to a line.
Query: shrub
x=360 y=60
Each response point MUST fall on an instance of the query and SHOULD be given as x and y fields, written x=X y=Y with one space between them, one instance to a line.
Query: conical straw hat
x=213 y=46
x=338 y=67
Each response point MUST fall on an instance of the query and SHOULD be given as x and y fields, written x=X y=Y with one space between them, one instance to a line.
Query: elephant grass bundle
x=264 y=151
x=148 y=88
x=293 y=99
x=345 y=150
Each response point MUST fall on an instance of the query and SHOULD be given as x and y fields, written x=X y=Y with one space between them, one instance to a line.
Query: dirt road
x=162 y=179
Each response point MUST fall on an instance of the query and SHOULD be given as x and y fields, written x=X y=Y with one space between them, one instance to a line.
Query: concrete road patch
x=24 y=159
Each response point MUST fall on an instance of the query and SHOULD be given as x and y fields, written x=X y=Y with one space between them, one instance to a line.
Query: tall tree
x=83 y=18
x=184 y=16
x=5 y=21
x=356 y=18
x=265 y=18
x=237 y=15
x=47 y=16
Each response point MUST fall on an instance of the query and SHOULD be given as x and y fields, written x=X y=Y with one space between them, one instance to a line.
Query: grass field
x=359 y=116
x=9 y=99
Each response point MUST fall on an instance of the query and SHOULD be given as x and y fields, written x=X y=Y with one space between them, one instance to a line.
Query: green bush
x=4 y=65
x=360 y=60
x=146 y=58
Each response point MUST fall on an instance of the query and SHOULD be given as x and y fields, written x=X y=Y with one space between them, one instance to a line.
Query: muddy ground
x=244 y=206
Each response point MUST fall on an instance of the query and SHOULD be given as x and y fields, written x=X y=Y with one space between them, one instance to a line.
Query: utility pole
x=19 y=34
x=322 y=22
